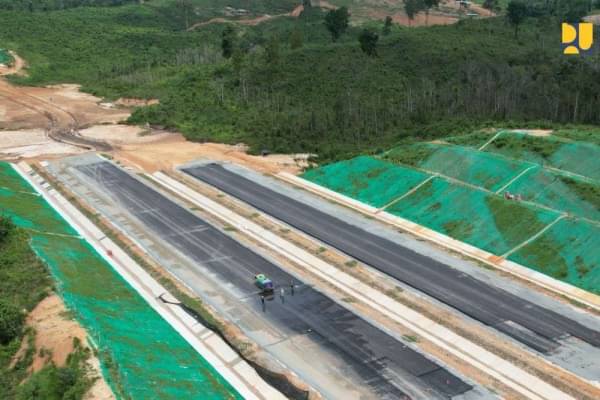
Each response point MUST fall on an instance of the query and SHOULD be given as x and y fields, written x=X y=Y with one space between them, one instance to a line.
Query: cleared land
x=532 y=325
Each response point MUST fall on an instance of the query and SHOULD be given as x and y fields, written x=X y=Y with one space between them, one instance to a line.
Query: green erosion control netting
x=587 y=135
x=142 y=356
x=468 y=165
x=569 y=251
x=367 y=179
x=576 y=157
x=473 y=216
x=560 y=192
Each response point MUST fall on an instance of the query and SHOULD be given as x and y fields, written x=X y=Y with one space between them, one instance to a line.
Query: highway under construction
x=341 y=344
x=390 y=368
x=540 y=329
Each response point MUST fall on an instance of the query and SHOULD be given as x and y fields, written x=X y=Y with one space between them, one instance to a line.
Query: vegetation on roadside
x=24 y=282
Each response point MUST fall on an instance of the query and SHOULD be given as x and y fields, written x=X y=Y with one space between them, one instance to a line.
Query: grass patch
x=583 y=134
x=586 y=191
x=410 y=338
x=412 y=155
x=524 y=146
x=475 y=139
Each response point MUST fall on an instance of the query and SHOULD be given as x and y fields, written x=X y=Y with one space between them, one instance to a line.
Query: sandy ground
x=534 y=132
x=135 y=102
x=173 y=150
x=32 y=143
x=26 y=113
x=55 y=333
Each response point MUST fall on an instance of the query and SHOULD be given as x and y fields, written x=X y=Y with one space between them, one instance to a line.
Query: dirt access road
x=61 y=109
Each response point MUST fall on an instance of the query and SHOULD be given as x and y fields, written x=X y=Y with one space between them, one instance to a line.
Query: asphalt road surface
x=532 y=325
x=382 y=361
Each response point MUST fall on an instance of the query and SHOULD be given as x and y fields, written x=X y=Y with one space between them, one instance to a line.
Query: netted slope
x=473 y=216
x=575 y=157
x=486 y=170
x=569 y=251
x=143 y=357
x=367 y=179
x=560 y=192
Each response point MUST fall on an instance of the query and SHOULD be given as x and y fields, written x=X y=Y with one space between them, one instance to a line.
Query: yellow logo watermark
x=577 y=38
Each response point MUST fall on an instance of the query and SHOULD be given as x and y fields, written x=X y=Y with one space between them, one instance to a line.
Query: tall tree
x=228 y=41
x=516 y=12
x=491 y=5
x=272 y=53
x=296 y=38
x=186 y=8
x=412 y=8
x=387 y=26
x=428 y=5
x=336 y=22
x=368 y=42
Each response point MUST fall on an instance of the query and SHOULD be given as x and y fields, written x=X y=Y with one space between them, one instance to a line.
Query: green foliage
x=48 y=5
x=413 y=7
x=336 y=22
x=387 y=26
x=296 y=39
x=11 y=322
x=425 y=82
x=70 y=382
x=586 y=191
x=368 y=42
x=24 y=282
x=228 y=41
x=491 y=5
x=516 y=12
x=6 y=226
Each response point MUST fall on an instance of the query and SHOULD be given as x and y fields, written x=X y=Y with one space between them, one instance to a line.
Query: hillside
x=321 y=97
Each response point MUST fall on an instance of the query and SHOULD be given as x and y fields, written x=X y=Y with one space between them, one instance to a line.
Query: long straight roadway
x=392 y=369
x=532 y=325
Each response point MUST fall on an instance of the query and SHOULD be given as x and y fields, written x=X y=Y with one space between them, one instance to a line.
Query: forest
x=289 y=85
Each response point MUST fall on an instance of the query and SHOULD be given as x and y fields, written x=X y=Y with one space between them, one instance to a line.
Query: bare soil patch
x=173 y=150
x=535 y=132
x=129 y=102
x=54 y=335
x=32 y=143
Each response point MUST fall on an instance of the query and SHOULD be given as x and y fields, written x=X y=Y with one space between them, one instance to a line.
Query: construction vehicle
x=264 y=284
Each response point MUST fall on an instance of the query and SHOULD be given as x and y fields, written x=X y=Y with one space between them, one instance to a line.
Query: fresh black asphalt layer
x=532 y=325
x=377 y=357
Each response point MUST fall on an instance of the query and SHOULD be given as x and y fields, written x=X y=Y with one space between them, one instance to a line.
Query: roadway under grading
x=383 y=362
x=532 y=325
